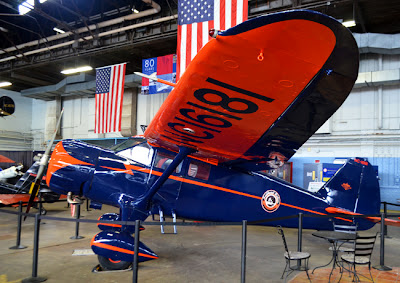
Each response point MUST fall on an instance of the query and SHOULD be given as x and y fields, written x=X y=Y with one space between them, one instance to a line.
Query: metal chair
x=363 y=248
x=346 y=247
x=294 y=256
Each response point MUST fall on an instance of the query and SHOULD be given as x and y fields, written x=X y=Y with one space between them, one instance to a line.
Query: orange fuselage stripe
x=121 y=250
x=153 y=172
x=110 y=225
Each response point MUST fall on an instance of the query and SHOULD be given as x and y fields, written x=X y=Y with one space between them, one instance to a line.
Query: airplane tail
x=355 y=188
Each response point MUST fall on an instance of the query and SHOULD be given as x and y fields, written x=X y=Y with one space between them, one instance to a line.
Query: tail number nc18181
x=216 y=115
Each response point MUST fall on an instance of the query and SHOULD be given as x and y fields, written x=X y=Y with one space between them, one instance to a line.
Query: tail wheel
x=108 y=263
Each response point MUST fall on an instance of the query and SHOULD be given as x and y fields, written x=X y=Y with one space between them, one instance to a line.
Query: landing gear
x=109 y=264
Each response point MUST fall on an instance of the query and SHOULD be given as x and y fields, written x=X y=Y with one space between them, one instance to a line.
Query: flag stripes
x=197 y=17
x=110 y=82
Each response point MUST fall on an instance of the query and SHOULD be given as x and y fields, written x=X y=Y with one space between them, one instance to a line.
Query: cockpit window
x=163 y=160
x=199 y=170
x=141 y=153
x=127 y=143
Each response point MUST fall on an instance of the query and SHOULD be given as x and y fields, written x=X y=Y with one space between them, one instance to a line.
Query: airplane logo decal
x=270 y=201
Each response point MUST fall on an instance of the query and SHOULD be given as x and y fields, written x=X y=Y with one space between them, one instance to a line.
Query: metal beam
x=28 y=79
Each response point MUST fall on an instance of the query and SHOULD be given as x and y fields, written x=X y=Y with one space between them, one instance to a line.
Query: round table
x=334 y=237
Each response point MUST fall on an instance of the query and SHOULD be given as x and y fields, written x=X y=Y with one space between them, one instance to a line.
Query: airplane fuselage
x=196 y=190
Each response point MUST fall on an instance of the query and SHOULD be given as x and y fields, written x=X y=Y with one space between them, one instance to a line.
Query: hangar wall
x=78 y=118
x=148 y=106
x=367 y=125
x=15 y=130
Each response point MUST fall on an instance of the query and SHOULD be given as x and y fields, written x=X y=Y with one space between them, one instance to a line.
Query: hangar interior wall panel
x=15 y=130
x=147 y=107
x=78 y=118
x=391 y=108
x=367 y=125
x=129 y=113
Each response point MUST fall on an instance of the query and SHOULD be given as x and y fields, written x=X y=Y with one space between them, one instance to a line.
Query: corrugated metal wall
x=147 y=107
x=367 y=125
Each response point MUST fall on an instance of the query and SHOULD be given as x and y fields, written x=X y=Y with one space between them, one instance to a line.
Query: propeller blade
x=33 y=193
x=44 y=160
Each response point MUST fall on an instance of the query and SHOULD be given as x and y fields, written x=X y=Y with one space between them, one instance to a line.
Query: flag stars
x=195 y=11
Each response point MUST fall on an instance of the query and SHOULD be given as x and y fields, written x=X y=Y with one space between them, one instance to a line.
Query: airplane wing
x=252 y=96
x=335 y=210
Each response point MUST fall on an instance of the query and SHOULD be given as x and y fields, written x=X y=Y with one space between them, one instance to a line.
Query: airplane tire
x=110 y=264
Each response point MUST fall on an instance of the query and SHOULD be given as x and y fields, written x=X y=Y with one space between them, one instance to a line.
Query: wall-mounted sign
x=7 y=106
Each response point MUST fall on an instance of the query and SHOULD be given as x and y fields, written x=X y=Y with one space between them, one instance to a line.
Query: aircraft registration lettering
x=227 y=100
x=194 y=116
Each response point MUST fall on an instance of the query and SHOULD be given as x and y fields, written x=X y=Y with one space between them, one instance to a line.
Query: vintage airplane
x=250 y=98
x=12 y=194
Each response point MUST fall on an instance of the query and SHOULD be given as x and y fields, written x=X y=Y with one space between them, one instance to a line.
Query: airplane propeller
x=44 y=160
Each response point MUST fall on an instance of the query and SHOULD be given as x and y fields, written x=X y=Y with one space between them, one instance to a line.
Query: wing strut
x=183 y=152
x=137 y=208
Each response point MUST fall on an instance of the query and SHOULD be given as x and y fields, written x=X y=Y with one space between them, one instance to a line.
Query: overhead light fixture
x=26 y=6
x=76 y=70
x=3 y=84
x=136 y=11
x=58 y=30
x=349 y=24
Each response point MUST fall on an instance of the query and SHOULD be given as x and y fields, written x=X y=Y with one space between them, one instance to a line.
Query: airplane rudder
x=355 y=187
x=369 y=201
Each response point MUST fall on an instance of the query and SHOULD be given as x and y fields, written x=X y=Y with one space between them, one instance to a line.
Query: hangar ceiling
x=105 y=32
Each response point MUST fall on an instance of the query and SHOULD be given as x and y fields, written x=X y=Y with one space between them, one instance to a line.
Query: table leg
x=332 y=259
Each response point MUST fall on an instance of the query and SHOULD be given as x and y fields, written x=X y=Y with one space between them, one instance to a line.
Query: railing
x=385 y=204
x=38 y=217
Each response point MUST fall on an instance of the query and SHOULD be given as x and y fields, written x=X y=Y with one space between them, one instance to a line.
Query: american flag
x=109 y=94
x=197 y=17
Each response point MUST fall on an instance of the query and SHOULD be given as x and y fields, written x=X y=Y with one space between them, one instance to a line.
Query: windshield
x=142 y=153
x=127 y=143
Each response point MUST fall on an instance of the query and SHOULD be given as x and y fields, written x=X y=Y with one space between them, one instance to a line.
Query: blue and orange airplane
x=250 y=98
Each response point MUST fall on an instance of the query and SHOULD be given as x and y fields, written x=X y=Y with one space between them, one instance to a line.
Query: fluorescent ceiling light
x=349 y=23
x=3 y=84
x=76 y=70
x=28 y=5
x=58 y=30
x=135 y=10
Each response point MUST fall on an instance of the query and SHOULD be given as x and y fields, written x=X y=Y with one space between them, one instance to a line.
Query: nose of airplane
x=71 y=166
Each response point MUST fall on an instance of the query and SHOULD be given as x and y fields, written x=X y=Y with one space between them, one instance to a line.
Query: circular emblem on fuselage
x=270 y=201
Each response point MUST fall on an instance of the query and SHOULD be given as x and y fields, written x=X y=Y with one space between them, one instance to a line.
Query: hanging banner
x=163 y=67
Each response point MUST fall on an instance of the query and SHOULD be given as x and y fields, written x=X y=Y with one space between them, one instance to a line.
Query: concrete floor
x=195 y=254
